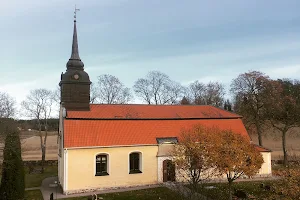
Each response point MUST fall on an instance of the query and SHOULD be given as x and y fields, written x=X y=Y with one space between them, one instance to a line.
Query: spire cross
x=75 y=13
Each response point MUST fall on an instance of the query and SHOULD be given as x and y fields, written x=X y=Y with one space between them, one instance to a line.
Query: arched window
x=101 y=165
x=135 y=163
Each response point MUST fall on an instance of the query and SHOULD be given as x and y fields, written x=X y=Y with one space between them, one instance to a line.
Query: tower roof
x=75 y=61
x=75 y=82
x=75 y=53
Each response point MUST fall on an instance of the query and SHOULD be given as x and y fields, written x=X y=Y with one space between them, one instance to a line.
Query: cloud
x=18 y=90
x=191 y=41
x=96 y=69
x=291 y=71
x=13 y=8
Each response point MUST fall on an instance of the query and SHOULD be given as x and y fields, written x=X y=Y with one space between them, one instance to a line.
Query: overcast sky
x=212 y=40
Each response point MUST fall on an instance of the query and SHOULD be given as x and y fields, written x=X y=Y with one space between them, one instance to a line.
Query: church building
x=110 y=146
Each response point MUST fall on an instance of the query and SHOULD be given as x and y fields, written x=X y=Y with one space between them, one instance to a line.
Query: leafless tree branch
x=110 y=90
x=7 y=105
x=158 y=88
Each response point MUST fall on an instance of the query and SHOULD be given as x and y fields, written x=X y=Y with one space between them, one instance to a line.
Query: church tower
x=75 y=82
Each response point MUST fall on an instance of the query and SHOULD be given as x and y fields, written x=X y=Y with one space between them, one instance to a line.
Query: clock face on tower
x=76 y=76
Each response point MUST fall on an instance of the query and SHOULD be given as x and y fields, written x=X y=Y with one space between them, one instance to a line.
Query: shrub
x=12 y=182
x=289 y=186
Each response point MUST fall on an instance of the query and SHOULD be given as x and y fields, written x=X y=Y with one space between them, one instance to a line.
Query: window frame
x=104 y=173
x=139 y=170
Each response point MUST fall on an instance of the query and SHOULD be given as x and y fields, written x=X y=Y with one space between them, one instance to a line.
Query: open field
x=30 y=141
x=272 y=140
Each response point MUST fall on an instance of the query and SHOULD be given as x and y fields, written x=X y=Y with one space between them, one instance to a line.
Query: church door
x=168 y=171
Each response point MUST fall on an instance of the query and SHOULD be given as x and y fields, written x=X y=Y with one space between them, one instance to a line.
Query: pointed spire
x=75 y=61
x=75 y=53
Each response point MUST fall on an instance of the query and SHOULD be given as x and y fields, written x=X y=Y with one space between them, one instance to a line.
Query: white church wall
x=81 y=165
x=160 y=161
x=266 y=168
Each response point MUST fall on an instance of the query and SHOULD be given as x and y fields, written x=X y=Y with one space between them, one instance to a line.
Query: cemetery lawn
x=33 y=195
x=35 y=180
x=220 y=191
x=161 y=193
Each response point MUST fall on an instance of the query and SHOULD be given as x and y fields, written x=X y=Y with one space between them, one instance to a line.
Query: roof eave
x=208 y=118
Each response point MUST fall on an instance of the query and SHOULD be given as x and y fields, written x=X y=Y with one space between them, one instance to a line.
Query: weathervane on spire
x=75 y=13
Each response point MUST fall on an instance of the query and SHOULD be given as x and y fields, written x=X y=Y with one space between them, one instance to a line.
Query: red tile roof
x=87 y=133
x=261 y=149
x=136 y=111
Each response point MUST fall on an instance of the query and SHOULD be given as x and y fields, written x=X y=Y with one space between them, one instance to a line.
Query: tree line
x=156 y=88
x=263 y=102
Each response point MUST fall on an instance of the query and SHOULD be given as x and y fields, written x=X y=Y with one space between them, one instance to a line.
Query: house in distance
x=107 y=146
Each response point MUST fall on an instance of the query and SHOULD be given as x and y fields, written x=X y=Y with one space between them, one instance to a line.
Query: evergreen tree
x=227 y=105
x=185 y=101
x=12 y=182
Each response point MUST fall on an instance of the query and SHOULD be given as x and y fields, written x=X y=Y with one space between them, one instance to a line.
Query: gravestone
x=51 y=196
x=240 y=194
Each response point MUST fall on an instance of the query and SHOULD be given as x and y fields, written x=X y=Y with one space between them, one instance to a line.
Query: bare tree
x=206 y=94
x=7 y=105
x=196 y=92
x=158 y=88
x=214 y=94
x=38 y=105
x=110 y=90
x=173 y=93
x=56 y=95
x=247 y=89
x=94 y=93
x=143 y=89
x=56 y=100
x=282 y=108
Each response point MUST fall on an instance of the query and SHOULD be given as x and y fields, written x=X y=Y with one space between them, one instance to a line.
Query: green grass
x=35 y=180
x=33 y=195
x=160 y=193
x=221 y=190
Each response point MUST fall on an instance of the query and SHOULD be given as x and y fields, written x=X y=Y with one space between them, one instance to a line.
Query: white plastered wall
x=61 y=163
x=182 y=176
x=266 y=168
x=160 y=161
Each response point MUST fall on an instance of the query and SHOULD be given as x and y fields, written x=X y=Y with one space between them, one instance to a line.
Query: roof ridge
x=231 y=112
x=132 y=104
x=204 y=118
x=257 y=145
x=146 y=111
